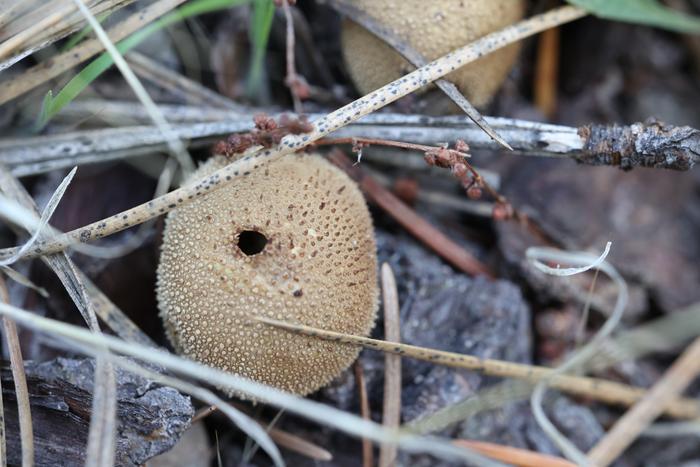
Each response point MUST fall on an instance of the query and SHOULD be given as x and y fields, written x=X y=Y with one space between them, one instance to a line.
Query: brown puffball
x=292 y=241
x=433 y=28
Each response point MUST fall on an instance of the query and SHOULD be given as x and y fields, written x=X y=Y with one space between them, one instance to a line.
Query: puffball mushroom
x=433 y=28
x=292 y=241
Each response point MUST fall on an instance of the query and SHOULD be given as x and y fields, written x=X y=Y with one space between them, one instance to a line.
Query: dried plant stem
x=594 y=388
x=20 y=380
x=367 y=453
x=391 y=417
x=642 y=414
x=292 y=80
x=321 y=127
x=384 y=142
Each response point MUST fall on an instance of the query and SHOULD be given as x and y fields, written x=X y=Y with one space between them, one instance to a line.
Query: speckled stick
x=321 y=127
x=599 y=389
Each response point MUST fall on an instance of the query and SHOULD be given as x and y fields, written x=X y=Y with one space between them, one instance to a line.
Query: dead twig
x=391 y=417
x=595 y=388
x=411 y=221
x=296 y=84
x=643 y=413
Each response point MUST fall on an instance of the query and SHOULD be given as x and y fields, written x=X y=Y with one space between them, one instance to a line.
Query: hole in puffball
x=251 y=242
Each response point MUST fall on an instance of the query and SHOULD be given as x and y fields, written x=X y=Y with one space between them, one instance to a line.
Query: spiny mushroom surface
x=291 y=241
x=433 y=28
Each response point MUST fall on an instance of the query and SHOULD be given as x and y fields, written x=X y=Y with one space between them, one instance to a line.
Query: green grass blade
x=88 y=74
x=647 y=12
x=261 y=22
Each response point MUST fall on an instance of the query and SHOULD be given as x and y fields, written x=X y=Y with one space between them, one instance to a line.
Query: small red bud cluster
x=455 y=160
x=267 y=133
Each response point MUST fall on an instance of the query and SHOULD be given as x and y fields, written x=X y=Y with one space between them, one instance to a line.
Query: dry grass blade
x=321 y=127
x=514 y=456
x=96 y=344
x=20 y=380
x=51 y=206
x=50 y=69
x=417 y=60
x=630 y=426
x=391 y=417
x=367 y=452
x=11 y=45
x=29 y=26
x=23 y=280
x=595 y=388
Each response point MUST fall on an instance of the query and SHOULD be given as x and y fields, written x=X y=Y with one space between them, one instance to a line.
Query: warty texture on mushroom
x=292 y=241
x=432 y=28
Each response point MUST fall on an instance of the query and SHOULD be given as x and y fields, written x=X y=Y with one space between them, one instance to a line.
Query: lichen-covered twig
x=595 y=388
x=321 y=127
x=655 y=144
x=649 y=144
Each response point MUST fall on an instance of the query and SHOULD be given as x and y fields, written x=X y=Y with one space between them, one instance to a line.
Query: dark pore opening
x=251 y=242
